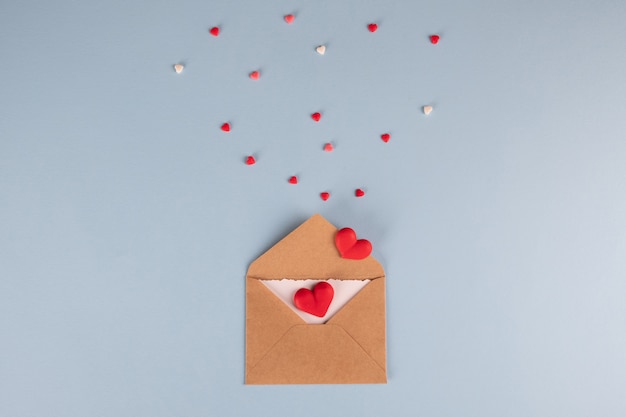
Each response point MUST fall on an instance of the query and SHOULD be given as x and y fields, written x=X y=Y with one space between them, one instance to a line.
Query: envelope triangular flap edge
x=309 y=252
x=316 y=355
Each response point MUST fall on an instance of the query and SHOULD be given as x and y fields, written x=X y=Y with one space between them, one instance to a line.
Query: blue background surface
x=128 y=219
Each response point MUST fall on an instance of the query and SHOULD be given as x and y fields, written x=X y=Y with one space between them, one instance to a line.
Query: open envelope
x=281 y=348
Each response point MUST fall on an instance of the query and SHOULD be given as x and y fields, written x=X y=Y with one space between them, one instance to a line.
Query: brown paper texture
x=350 y=348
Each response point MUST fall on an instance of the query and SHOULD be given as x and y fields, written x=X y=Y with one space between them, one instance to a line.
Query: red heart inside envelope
x=314 y=302
x=351 y=248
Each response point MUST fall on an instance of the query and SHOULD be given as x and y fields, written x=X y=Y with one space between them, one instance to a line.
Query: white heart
x=321 y=49
x=179 y=68
x=427 y=110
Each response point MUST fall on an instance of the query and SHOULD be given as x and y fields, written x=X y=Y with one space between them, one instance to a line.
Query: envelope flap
x=267 y=320
x=361 y=318
x=309 y=252
x=316 y=354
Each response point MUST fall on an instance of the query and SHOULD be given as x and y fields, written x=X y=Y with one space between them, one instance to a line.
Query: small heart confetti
x=434 y=39
x=215 y=31
x=324 y=196
x=372 y=27
x=359 y=193
x=328 y=147
x=255 y=75
x=179 y=68
x=225 y=127
x=293 y=180
x=250 y=160
x=385 y=137
x=316 y=116
x=321 y=49
x=289 y=18
x=427 y=110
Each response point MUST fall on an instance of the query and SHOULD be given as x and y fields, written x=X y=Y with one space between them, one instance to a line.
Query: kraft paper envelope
x=350 y=348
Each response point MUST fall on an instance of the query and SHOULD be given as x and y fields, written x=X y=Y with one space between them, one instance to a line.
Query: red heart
x=359 y=193
x=372 y=27
x=255 y=75
x=316 y=116
x=434 y=39
x=324 y=196
x=314 y=302
x=225 y=127
x=289 y=18
x=250 y=160
x=293 y=180
x=385 y=137
x=328 y=147
x=349 y=247
x=214 y=31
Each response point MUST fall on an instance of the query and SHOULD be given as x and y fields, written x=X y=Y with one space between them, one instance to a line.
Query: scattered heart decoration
x=315 y=302
x=328 y=147
x=351 y=248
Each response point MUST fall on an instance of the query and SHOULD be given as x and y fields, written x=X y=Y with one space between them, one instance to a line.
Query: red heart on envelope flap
x=314 y=302
x=351 y=248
